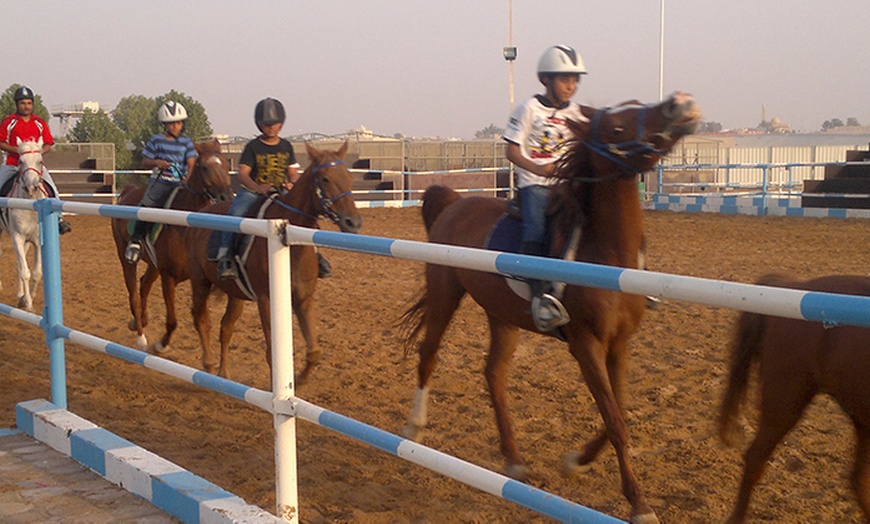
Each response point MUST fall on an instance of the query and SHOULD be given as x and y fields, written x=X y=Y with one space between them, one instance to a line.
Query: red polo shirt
x=14 y=130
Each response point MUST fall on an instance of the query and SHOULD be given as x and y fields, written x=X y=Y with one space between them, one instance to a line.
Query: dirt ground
x=676 y=379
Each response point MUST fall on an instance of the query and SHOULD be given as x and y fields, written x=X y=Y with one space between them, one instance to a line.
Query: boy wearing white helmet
x=171 y=155
x=537 y=134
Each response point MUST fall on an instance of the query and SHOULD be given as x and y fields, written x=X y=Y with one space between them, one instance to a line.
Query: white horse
x=22 y=224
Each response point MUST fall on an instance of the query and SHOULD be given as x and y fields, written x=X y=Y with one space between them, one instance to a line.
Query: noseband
x=621 y=151
x=326 y=202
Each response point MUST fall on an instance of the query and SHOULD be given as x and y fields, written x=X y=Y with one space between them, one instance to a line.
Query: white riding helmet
x=559 y=60
x=171 y=112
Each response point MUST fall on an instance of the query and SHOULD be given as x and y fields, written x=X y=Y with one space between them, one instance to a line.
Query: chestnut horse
x=323 y=189
x=600 y=189
x=798 y=360
x=209 y=182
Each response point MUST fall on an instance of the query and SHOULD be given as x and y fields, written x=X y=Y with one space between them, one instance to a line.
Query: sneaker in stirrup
x=63 y=227
x=548 y=313
x=226 y=269
x=134 y=249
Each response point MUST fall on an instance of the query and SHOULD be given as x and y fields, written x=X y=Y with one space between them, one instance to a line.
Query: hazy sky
x=435 y=68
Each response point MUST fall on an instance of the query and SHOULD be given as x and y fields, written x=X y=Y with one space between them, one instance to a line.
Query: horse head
x=631 y=138
x=211 y=173
x=333 y=183
x=30 y=168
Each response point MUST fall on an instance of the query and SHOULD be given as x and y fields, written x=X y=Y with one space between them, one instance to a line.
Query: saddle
x=156 y=228
x=240 y=247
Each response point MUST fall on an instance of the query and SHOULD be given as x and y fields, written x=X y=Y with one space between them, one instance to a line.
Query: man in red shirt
x=22 y=126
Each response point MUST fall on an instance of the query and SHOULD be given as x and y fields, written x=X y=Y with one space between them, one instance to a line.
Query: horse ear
x=342 y=150
x=198 y=146
x=40 y=142
x=313 y=153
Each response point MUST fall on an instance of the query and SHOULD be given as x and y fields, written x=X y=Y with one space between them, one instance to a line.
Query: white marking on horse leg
x=417 y=420
x=142 y=342
x=160 y=349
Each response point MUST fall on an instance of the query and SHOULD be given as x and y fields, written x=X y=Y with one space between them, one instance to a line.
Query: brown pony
x=323 y=189
x=600 y=190
x=798 y=360
x=209 y=182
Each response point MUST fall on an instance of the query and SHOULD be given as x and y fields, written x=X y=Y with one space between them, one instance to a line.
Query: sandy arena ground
x=675 y=381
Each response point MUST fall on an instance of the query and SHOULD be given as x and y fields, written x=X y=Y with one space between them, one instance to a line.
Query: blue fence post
x=52 y=315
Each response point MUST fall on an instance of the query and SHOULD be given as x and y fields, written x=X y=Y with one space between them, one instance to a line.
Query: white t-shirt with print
x=542 y=133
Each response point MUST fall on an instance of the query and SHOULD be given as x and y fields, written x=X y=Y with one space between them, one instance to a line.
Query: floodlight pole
x=510 y=54
x=662 y=53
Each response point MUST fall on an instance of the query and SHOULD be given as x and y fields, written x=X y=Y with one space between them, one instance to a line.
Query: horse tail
x=435 y=199
x=744 y=351
x=411 y=323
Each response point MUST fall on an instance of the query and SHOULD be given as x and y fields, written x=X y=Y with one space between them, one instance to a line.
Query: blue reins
x=618 y=152
x=325 y=202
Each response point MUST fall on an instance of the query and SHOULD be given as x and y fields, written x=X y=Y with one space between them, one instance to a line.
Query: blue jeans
x=533 y=204
x=245 y=198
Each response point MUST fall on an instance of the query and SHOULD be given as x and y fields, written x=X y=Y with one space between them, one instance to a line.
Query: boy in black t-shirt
x=267 y=162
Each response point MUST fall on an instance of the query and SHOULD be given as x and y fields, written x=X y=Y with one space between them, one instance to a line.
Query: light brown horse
x=799 y=359
x=600 y=190
x=209 y=182
x=324 y=189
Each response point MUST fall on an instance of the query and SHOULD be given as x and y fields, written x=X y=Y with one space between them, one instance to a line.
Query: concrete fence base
x=748 y=205
x=164 y=484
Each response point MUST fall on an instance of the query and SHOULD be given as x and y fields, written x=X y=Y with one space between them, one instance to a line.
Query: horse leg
x=264 y=306
x=36 y=272
x=783 y=400
x=201 y=289
x=576 y=463
x=305 y=310
x=25 y=301
x=861 y=473
x=592 y=355
x=234 y=310
x=145 y=285
x=442 y=298
x=168 y=283
x=503 y=342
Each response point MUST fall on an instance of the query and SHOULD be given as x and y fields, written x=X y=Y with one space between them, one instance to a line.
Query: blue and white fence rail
x=282 y=403
x=829 y=308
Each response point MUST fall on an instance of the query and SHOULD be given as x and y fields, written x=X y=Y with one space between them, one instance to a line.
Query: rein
x=619 y=152
x=325 y=202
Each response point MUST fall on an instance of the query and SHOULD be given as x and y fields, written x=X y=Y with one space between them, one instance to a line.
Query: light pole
x=510 y=54
x=662 y=53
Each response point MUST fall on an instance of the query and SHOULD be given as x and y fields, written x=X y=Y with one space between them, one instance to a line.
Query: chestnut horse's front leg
x=603 y=374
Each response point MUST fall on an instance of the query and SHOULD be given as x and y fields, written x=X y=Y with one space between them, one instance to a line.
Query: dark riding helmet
x=268 y=112
x=23 y=93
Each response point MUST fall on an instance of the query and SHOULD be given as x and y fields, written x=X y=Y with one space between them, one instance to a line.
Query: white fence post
x=283 y=387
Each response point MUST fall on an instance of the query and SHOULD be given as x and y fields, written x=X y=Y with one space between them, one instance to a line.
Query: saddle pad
x=505 y=235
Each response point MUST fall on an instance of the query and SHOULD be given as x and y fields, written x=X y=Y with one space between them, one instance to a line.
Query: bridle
x=326 y=203
x=37 y=169
x=205 y=193
x=619 y=152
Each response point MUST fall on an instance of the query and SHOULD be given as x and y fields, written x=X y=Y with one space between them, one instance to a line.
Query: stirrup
x=132 y=252
x=548 y=313
x=324 y=268
x=226 y=269
x=63 y=227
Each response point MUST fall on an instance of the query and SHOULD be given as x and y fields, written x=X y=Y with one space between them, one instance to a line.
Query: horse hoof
x=411 y=432
x=132 y=325
x=519 y=472
x=646 y=518
x=160 y=350
x=571 y=466
x=142 y=343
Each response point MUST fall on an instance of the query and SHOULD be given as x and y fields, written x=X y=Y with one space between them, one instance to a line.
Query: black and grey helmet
x=268 y=112
x=23 y=93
